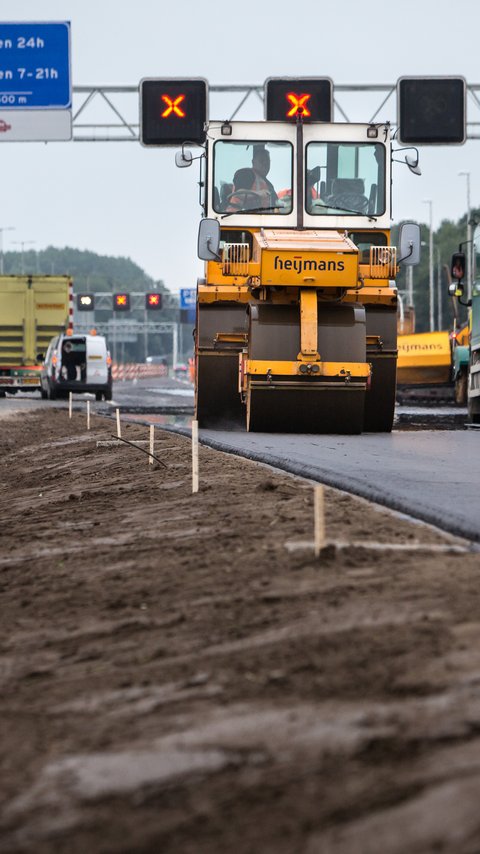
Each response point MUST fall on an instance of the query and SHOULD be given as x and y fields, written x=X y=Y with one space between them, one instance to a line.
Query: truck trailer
x=33 y=309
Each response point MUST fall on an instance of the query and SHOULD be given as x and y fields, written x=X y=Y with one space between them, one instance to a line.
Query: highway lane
x=432 y=475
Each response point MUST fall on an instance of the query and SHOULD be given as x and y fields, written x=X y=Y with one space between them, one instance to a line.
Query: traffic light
x=121 y=302
x=153 y=301
x=309 y=97
x=431 y=110
x=172 y=111
x=85 y=302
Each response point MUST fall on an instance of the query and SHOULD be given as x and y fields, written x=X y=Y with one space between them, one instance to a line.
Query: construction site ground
x=180 y=673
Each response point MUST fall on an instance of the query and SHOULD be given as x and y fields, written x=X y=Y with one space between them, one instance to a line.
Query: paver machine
x=297 y=311
x=456 y=289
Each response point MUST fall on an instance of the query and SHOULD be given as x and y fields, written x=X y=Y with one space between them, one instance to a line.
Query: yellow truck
x=32 y=310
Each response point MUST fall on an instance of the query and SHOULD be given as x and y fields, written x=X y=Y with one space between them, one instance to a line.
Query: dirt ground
x=179 y=673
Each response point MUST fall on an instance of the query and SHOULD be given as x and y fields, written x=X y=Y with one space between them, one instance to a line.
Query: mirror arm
x=399 y=261
x=217 y=256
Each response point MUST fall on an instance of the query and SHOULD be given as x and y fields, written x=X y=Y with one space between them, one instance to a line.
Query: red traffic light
x=121 y=302
x=153 y=301
x=173 y=111
x=310 y=98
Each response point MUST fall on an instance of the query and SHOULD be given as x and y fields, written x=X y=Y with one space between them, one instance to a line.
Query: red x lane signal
x=173 y=111
x=298 y=102
x=173 y=106
x=121 y=302
x=153 y=301
x=291 y=98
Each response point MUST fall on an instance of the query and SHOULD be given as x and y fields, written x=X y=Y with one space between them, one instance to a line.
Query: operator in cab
x=256 y=191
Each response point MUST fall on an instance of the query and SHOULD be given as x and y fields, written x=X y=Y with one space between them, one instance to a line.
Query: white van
x=77 y=363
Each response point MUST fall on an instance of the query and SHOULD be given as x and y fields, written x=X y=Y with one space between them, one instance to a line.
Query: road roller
x=297 y=310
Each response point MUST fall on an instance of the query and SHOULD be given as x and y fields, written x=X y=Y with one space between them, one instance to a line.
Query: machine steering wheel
x=244 y=194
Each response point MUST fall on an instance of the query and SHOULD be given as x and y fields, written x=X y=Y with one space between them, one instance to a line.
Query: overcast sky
x=122 y=199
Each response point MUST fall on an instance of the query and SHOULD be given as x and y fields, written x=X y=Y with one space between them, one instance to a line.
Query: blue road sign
x=188 y=297
x=35 y=65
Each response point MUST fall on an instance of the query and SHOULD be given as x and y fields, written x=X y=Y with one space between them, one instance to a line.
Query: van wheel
x=108 y=394
x=98 y=395
x=44 y=394
x=51 y=393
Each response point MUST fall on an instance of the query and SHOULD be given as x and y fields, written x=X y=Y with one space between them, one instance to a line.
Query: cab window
x=252 y=176
x=345 y=178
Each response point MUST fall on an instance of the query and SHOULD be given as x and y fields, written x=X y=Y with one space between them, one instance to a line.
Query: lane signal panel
x=432 y=110
x=173 y=111
x=310 y=98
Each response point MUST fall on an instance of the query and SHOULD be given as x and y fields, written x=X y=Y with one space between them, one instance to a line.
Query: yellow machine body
x=296 y=321
x=424 y=358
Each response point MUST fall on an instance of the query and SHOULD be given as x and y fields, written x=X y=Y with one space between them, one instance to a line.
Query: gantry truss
x=110 y=113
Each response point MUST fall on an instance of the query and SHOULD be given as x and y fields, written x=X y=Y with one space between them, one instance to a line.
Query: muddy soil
x=179 y=673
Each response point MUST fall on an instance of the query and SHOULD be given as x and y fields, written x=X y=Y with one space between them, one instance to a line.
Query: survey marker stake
x=70 y=398
x=319 y=518
x=152 y=443
x=194 y=456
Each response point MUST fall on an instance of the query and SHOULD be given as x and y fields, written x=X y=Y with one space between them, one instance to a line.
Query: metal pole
x=469 y=238
x=430 y=268
x=175 y=346
x=439 y=290
x=23 y=243
x=5 y=228
x=145 y=335
x=410 y=285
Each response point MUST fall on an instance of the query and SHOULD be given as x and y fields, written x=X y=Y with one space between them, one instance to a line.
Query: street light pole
x=439 y=289
x=430 y=266
x=469 y=237
x=23 y=243
x=5 y=228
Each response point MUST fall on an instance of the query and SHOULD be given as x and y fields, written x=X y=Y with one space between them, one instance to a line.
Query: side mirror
x=209 y=240
x=409 y=244
x=457 y=267
x=183 y=158
x=412 y=163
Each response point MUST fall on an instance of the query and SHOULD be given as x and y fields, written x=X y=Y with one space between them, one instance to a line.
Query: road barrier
x=134 y=371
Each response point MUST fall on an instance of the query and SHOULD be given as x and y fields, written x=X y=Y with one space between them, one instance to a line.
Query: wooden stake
x=152 y=443
x=88 y=415
x=70 y=398
x=194 y=456
x=319 y=519
x=119 y=429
